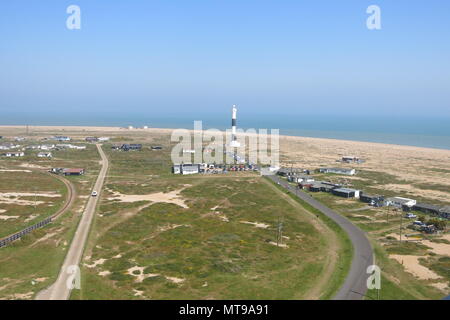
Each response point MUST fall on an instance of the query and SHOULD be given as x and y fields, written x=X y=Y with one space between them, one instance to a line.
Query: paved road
x=60 y=290
x=355 y=285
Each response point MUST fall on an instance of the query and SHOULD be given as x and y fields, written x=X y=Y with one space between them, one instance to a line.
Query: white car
x=94 y=193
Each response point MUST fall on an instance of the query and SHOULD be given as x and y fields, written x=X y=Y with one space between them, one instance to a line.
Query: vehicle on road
x=94 y=193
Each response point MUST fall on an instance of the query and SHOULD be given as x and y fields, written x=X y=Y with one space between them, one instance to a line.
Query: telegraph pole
x=401 y=222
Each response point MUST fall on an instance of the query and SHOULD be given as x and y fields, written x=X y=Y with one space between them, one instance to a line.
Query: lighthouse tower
x=234 y=143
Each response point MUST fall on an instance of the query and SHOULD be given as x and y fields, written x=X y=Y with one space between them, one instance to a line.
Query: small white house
x=46 y=147
x=176 y=169
x=103 y=139
x=44 y=155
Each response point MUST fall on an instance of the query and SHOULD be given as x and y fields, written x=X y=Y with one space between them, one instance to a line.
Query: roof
x=371 y=195
x=426 y=206
x=73 y=170
x=337 y=169
x=346 y=190
x=190 y=166
x=445 y=209
x=401 y=199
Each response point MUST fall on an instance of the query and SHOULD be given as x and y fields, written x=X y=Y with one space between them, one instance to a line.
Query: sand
x=411 y=164
x=438 y=248
x=175 y=280
x=95 y=263
x=12 y=198
x=6 y=218
x=171 y=226
x=31 y=217
x=141 y=276
x=281 y=245
x=169 y=197
x=412 y=265
x=257 y=224
x=104 y=273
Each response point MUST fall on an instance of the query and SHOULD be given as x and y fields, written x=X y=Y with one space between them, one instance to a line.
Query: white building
x=46 y=147
x=9 y=146
x=399 y=202
x=348 y=172
x=186 y=168
x=44 y=154
x=70 y=146
x=14 y=154
x=176 y=169
x=103 y=139
x=303 y=179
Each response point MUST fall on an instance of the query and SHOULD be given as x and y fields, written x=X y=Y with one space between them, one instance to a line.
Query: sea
x=430 y=132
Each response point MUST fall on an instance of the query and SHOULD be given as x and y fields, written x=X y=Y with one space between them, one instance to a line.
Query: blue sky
x=271 y=57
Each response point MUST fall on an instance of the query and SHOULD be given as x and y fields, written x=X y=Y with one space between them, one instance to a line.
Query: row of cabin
x=97 y=139
x=344 y=171
x=189 y=168
x=9 y=146
x=68 y=171
x=352 y=159
x=443 y=212
x=128 y=147
x=307 y=182
x=13 y=154
x=61 y=138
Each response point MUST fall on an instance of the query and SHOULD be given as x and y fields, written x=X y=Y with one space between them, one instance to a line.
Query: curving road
x=355 y=284
x=71 y=196
x=60 y=290
x=70 y=199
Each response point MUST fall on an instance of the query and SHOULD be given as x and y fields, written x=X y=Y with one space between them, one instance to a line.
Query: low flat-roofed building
x=190 y=168
x=320 y=186
x=61 y=138
x=346 y=192
x=444 y=212
x=73 y=171
x=131 y=146
x=400 y=202
x=426 y=208
x=368 y=198
x=345 y=171
x=303 y=179
x=13 y=154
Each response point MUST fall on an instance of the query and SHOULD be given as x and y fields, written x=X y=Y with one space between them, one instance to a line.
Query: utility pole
x=401 y=222
x=35 y=200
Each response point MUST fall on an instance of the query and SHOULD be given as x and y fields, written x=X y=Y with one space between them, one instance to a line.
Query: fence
x=4 y=242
